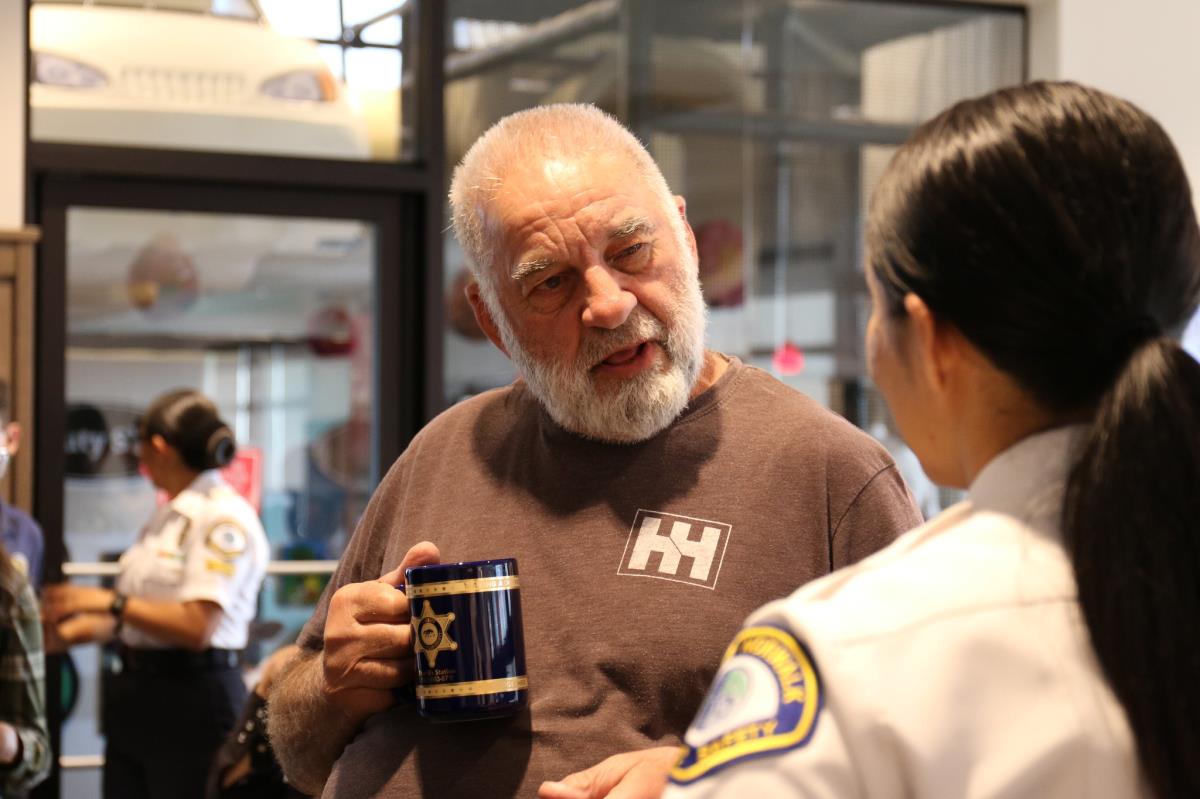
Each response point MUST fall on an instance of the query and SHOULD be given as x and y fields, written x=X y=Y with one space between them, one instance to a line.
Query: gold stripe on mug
x=479 y=585
x=478 y=688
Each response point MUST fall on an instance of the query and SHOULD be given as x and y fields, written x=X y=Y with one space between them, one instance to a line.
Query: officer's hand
x=61 y=600
x=368 y=639
x=630 y=775
x=82 y=628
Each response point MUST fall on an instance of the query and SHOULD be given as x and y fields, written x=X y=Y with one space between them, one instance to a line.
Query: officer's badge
x=765 y=699
x=227 y=540
x=431 y=633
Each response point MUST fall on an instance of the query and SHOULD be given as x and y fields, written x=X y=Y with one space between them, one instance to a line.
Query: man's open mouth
x=624 y=356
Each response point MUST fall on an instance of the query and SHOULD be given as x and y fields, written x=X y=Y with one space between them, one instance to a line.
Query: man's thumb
x=423 y=554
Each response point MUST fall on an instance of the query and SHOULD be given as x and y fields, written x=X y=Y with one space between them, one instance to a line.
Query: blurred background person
x=24 y=739
x=21 y=535
x=184 y=599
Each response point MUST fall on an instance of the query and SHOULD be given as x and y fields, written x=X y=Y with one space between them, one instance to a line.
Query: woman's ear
x=928 y=342
x=937 y=347
x=159 y=444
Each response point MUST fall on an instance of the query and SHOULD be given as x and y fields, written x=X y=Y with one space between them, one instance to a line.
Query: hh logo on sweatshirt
x=677 y=548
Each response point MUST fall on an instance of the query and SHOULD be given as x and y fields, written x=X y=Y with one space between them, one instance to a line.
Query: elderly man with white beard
x=654 y=492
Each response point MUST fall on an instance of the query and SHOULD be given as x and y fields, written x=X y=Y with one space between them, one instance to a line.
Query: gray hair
x=565 y=131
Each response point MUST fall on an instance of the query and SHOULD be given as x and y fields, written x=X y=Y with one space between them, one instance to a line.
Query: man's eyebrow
x=527 y=268
x=631 y=227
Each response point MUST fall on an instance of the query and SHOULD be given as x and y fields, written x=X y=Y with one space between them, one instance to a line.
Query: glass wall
x=322 y=78
x=774 y=120
x=270 y=317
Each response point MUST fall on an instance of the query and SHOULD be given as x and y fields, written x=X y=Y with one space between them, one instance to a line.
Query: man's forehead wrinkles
x=548 y=234
x=589 y=197
x=539 y=248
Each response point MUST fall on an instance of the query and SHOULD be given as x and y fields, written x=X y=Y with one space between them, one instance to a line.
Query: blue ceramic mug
x=468 y=639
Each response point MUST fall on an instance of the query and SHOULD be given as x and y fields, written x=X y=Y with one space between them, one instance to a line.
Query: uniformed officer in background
x=184 y=599
x=1032 y=255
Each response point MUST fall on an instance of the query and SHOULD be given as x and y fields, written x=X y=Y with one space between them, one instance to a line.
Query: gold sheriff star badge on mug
x=433 y=633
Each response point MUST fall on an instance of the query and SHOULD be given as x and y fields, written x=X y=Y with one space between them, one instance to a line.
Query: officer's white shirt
x=954 y=663
x=205 y=544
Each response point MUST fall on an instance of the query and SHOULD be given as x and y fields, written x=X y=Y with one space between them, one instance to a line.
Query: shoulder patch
x=227 y=540
x=765 y=699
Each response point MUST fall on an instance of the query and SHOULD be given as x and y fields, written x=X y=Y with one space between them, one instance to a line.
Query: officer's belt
x=175 y=661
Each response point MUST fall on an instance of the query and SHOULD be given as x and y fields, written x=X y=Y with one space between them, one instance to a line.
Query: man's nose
x=608 y=304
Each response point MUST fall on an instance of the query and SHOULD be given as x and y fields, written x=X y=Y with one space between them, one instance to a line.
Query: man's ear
x=483 y=316
x=681 y=206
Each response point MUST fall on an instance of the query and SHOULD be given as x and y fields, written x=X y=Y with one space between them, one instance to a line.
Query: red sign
x=244 y=474
x=788 y=359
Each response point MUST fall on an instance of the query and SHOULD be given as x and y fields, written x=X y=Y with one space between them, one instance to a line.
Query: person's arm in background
x=365 y=654
x=24 y=737
x=189 y=625
x=217 y=565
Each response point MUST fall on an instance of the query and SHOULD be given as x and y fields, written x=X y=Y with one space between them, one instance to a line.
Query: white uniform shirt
x=954 y=663
x=205 y=544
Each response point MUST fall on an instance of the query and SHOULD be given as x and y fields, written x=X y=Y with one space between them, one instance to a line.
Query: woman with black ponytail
x=1032 y=256
x=181 y=610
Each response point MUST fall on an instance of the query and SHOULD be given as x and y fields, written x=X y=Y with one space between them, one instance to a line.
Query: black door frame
x=399 y=374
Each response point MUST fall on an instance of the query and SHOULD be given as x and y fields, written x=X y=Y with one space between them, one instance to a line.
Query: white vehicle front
x=184 y=74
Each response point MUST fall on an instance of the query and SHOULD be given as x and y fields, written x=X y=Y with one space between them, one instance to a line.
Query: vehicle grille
x=183 y=86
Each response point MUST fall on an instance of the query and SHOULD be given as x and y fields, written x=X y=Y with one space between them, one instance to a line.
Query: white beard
x=636 y=408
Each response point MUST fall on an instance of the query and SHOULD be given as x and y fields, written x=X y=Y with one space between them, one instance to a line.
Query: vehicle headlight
x=53 y=70
x=307 y=85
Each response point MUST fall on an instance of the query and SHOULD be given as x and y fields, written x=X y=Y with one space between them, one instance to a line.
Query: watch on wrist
x=117 y=608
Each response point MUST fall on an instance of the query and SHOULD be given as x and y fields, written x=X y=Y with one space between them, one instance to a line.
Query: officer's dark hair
x=1052 y=225
x=189 y=422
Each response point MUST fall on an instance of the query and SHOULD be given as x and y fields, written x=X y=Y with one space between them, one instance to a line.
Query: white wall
x=1143 y=50
x=12 y=117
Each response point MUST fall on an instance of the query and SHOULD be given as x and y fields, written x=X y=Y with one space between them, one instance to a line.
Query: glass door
x=277 y=318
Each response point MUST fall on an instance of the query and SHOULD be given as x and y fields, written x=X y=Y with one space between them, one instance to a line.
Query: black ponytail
x=188 y=421
x=1053 y=226
x=1132 y=524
